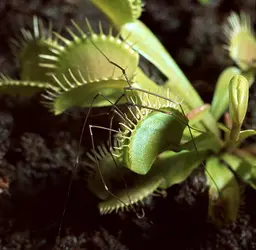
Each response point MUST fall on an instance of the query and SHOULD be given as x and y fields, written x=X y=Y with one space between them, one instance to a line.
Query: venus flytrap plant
x=156 y=147
x=77 y=66
x=138 y=148
x=241 y=45
x=72 y=68
x=158 y=163
x=161 y=176
x=241 y=41
x=65 y=64
x=136 y=137
x=28 y=46
x=224 y=191
x=134 y=32
x=26 y=49
x=25 y=88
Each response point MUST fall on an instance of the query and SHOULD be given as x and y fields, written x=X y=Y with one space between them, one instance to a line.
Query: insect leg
x=157 y=109
x=77 y=158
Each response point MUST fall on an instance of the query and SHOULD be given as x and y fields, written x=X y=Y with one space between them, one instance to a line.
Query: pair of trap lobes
x=71 y=84
x=147 y=135
x=61 y=97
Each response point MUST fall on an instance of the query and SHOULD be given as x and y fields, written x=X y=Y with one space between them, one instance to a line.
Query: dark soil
x=38 y=150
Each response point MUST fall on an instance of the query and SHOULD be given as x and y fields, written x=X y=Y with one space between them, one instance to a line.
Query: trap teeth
x=27 y=48
x=240 y=39
x=130 y=197
x=65 y=69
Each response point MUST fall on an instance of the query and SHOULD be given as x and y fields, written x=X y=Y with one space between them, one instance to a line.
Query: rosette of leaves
x=143 y=146
x=155 y=142
x=161 y=155
x=133 y=158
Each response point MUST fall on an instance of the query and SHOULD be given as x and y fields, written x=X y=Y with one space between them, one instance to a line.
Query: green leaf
x=152 y=134
x=87 y=57
x=170 y=168
x=223 y=127
x=143 y=186
x=81 y=70
x=142 y=81
x=247 y=156
x=224 y=193
x=197 y=114
x=186 y=137
x=220 y=99
x=120 y=11
x=242 y=168
x=241 y=40
x=23 y=88
x=102 y=164
x=110 y=168
x=30 y=47
x=205 y=141
x=197 y=117
x=134 y=33
x=174 y=168
x=161 y=94
x=82 y=93
x=244 y=135
x=151 y=48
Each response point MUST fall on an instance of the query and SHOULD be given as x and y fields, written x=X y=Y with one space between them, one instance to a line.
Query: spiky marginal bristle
x=82 y=70
x=241 y=40
x=24 y=88
x=143 y=187
x=27 y=48
x=114 y=174
x=82 y=93
x=90 y=54
x=128 y=10
x=101 y=164
x=160 y=98
x=140 y=109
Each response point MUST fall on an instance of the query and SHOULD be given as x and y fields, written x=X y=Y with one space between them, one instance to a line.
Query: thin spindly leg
x=132 y=103
x=131 y=88
x=116 y=110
